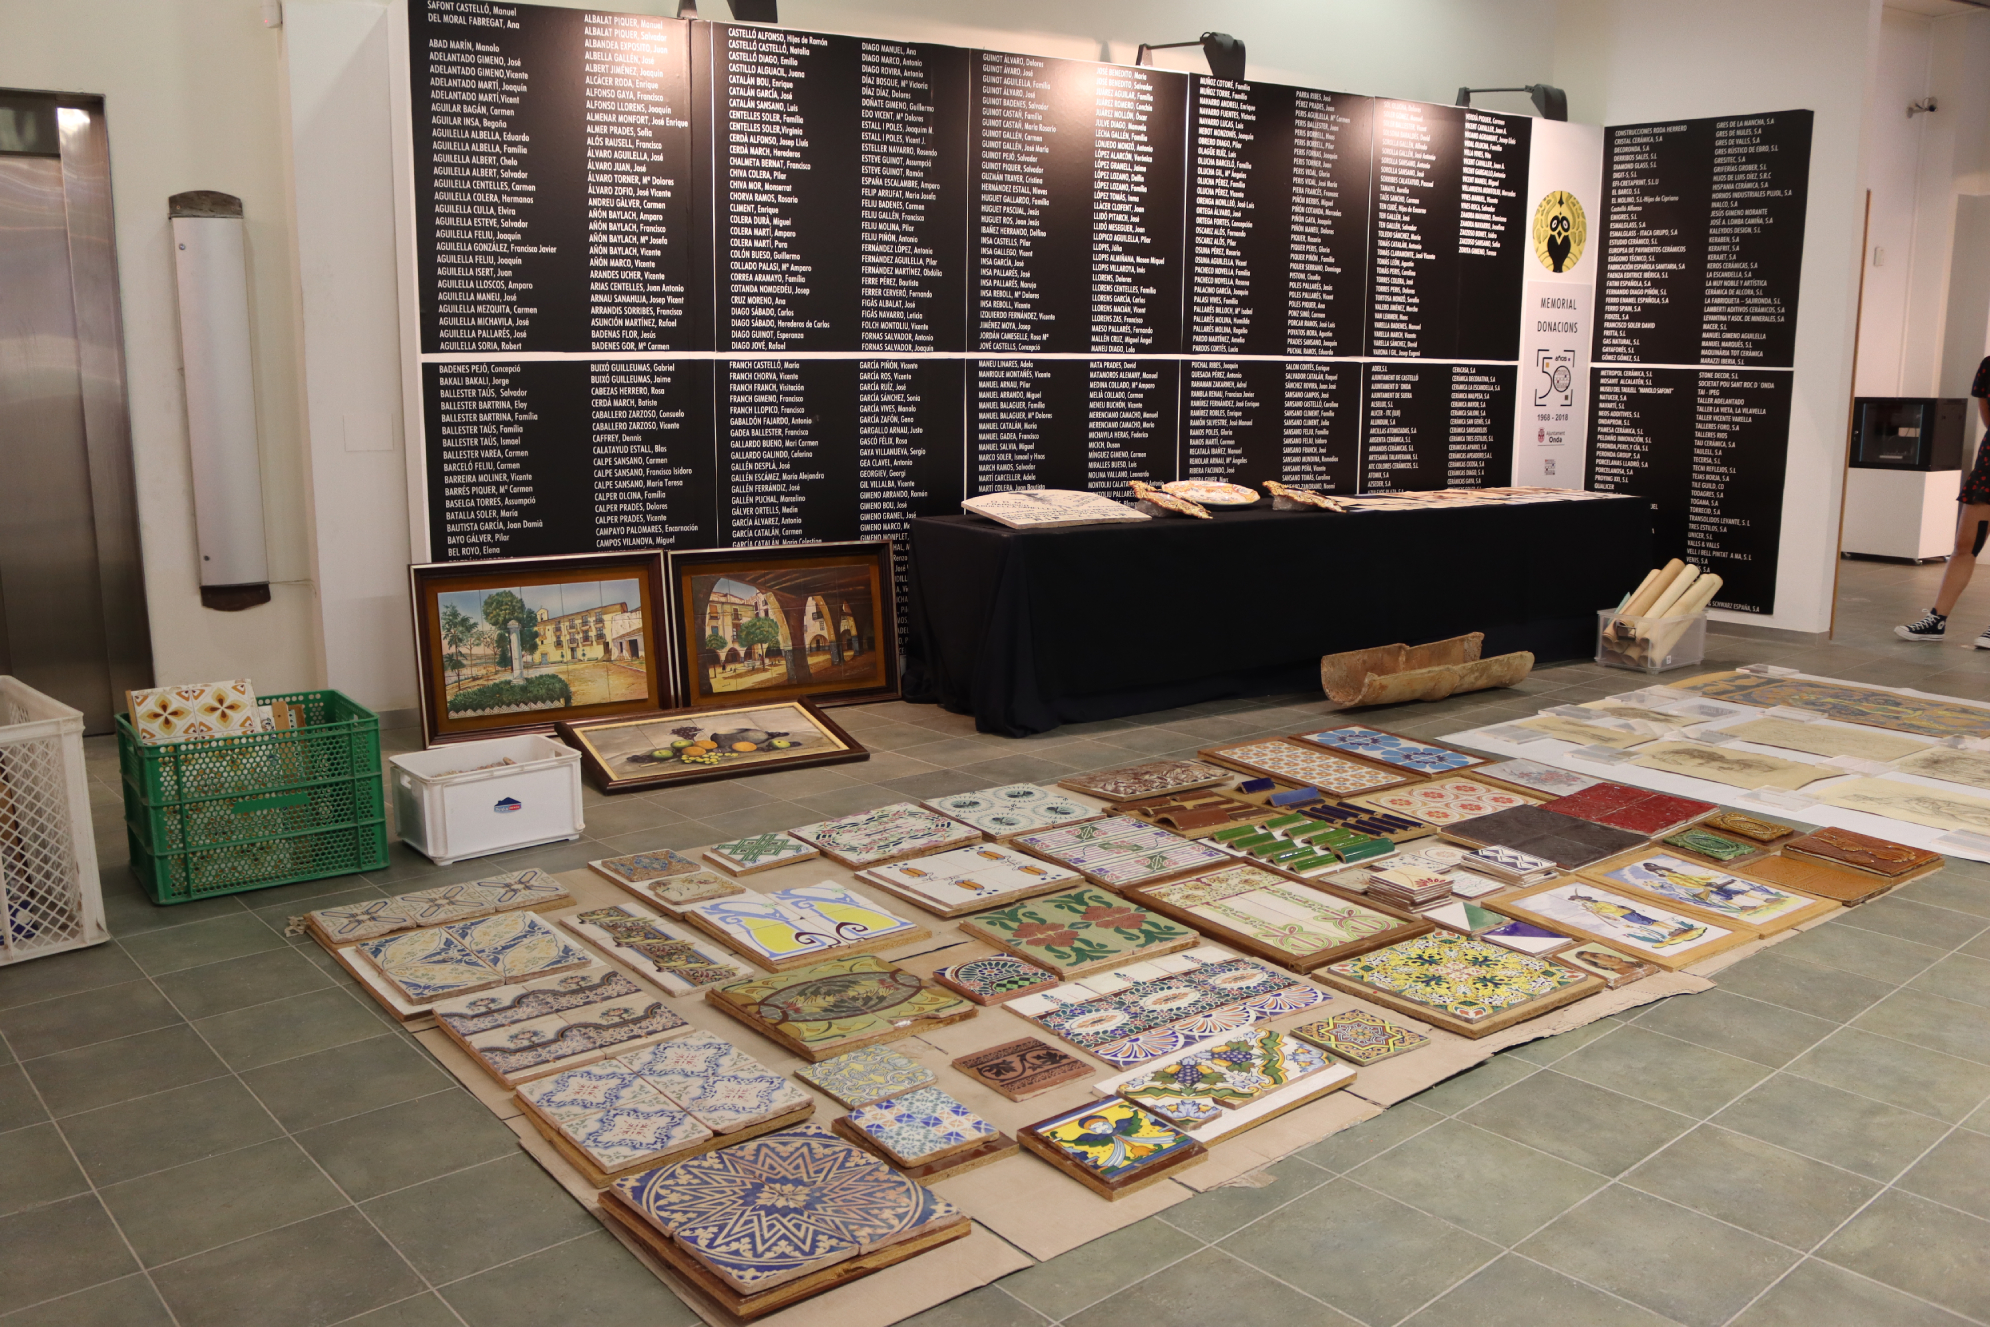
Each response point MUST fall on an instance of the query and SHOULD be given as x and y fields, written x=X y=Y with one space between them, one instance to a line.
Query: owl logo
x=1560 y=231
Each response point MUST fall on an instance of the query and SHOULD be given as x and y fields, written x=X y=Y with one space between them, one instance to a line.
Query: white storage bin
x=50 y=898
x=460 y=800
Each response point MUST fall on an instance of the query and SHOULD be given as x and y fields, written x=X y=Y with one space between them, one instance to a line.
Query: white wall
x=191 y=99
x=1895 y=144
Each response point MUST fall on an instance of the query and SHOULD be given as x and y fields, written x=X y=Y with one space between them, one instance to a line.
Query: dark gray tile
x=85 y=1018
x=1350 y=1147
x=319 y=1271
x=1806 y=987
x=238 y=983
x=167 y=1129
x=128 y=912
x=173 y=1213
x=36 y=1168
x=1665 y=1071
x=989 y=1306
x=1208 y=1287
x=592 y=1282
x=1957 y=1172
x=1087 y=1274
x=407 y=1143
x=1514 y=1292
x=112 y=1071
x=1579 y=1122
x=129 y=1301
x=520 y=1209
x=1462 y=1091
x=347 y=1080
x=1734 y=1025
x=1857 y=1133
x=230 y=935
x=66 y=974
x=1679 y=1263
x=1957 y=977
x=19 y=1105
x=1218 y=1212
x=58 y=1248
x=1882 y=958
x=1911 y=1077
x=1911 y=1244
x=1755 y=1185
x=1948 y=1026
x=1490 y=1185
x=422 y=1311
x=1816 y=1294
x=285 y=1028
x=1938 y=928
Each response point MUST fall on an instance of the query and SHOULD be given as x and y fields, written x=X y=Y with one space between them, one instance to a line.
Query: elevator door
x=72 y=613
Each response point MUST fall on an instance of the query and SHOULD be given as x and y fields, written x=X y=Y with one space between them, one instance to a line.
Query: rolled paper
x=1655 y=587
x=1664 y=605
x=1649 y=577
x=1665 y=637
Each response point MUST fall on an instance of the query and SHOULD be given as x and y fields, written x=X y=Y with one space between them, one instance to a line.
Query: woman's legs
x=1962 y=563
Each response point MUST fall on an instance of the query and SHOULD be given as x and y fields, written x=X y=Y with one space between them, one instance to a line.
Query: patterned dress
x=1976 y=488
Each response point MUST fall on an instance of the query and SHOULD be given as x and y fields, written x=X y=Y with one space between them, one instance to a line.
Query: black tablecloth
x=1028 y=629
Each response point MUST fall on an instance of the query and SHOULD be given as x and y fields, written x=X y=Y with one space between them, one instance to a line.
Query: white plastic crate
x=460 y=801
x=50 y=898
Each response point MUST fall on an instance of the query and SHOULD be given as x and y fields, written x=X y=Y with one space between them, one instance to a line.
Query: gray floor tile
x=283 y=1029
x=129 y=1301
x=1087 y=1274
x=1462 y=1091
x=1882 y=958
x=1406 y=1258
x=1894 y=1071
x=1808 y=988
x=1517 y=1292
x=701 y=799
x=1957 y=977
x=990 y=1306
x=1679 y=1263
x=1490 y=1185
x=1550 y=1049
x=1350 y=1147
x=112 y=1071
x=56 y=1249
x=771 y=816
x=628 y=815
x=1664 y=1071
x=1579 y=1122
x=85 y=1018
x=1766 y=1033
x=1858 y=1133
x=1151 y=741
x=1938 y=928
x=1957 y=1172
x=315 y=1272
x=592 y=1282
x=1816 y=1294
x=940 y=783
x=66 y=974
x=171 y=1214
x=1023 y=769
x=347 y=1080
x=1914 y=1245
x=236 y=983
x=1920 y=1019
x=231 y=935
x=1951 y=888
x=1218 y=1212
x=683 y=834
x=167 y=1129
x=421 y=1311
x=36 y=1168
x=1755 y=1185
x=1206 y=1287
x=520 y=1210
x=19 y=1106
x=405 y=1144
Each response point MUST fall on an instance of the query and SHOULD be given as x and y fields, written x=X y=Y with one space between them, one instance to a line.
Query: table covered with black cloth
x=1029 y=629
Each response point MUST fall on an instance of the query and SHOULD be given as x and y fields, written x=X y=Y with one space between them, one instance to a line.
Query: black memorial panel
x=1437 y=426
x=1075 y=211
x=838 y=190
x=1278 y=219
x=1070 y=423
x=510 y=475
x=1294 y=420
x=552 y=156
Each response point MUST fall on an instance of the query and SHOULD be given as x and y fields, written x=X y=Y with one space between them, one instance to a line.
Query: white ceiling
x=1937 y=8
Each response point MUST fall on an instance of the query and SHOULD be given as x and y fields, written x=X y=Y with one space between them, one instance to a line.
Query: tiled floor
x=203 y=1123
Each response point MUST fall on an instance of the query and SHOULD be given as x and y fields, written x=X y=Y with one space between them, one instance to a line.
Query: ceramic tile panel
x=866 y=1075
x=975 y=877
x=673 y=892
x=793 y=923
x=920 y=1126
x=1389 y=749
x=720 y=1085
x=197 y=712
x=367 y=920
x=518 y=945
x=630 y=1135
x=640 y=867
x=1014 y=808
x=638 y=937
x=426 y=966
x=503 y=1006
x=840 y=1000
x=1308 y=767
x=1470 y=980
x=761 y=851
x=1359 y=1037
x=1114 y=1139
x=994 y=979
x=1082 y=928
x=1022 y=1068
x=588 y=1090
x=1443 y=801
x=1146 y=780
x=902 y=829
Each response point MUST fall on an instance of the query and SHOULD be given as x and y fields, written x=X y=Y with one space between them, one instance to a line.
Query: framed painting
x=521 y=644
x=784 y=622
x=697 y=746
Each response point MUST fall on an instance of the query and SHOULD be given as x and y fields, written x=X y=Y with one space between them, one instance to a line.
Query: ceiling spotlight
x=1224 y=53
x=1551 y=102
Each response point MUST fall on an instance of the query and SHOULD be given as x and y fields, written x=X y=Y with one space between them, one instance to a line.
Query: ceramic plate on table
x=1211 y=493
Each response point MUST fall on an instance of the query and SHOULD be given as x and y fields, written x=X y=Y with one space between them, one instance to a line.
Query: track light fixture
x=1552 y=102
x=1224 y=53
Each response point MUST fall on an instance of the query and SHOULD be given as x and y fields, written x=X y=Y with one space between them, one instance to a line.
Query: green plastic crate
x=252 y=812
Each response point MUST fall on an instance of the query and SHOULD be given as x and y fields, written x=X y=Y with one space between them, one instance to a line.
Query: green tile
x=36 y=1168
x=1679 y=1263
x=218 y=988
x=520 y=1209
x=167 y=1129
x=1350 y=1147
x=1808 y=988
x=1911 y=1077
x=1957 y=977
x=320 y=1271
x=85 y=1018
x=1755 y=1185
x=1939 y=928
x=1579 y=1122
x=1467 y=1089
x=1911 y=1244
x=1490 y=1185
x=282 y=1029
x=386 y=1149
x=1547 y=1050
x=173 y=1213
x=1881 y=958
x=1948 y=1026
x=113 y=1071
x=65 y=974
x=215 y=940
x=129 y=1301
x=1734 y=1025
x=592 y=1282
x=989 y=1306
x=1957 y=1172
x=1366 y=1254
x=1514 y=1292
x=1206 y=1287
x=1664 y=1071
x=19 y=1106
x=1868 y=1137
x=56 y=1249
x=1090 y=1272
x=346 y=1080
x=1816 y=1294
x=1218 y=1212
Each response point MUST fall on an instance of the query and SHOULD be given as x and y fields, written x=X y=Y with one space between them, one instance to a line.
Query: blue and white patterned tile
x=919 y=1125
x=865 y=1075
x=629 y=1135
x=724 y=1088
x=588 y=1090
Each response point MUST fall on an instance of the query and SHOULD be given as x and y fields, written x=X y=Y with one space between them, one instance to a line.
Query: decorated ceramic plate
x=1211 y=493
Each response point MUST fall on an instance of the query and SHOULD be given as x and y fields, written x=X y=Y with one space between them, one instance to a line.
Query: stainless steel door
x=72 y=614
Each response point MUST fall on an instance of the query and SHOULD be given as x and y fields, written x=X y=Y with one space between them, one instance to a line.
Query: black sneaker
x=1983 y=641
x=1932 y=627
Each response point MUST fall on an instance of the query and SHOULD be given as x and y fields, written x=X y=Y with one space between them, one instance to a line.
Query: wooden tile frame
x=1515 y=905
x=1304 y=963
x=1437 y=1018
x=1598 y=872
x=1214 y=754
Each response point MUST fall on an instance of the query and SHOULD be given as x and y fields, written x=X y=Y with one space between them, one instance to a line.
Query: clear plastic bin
x=1650 y=644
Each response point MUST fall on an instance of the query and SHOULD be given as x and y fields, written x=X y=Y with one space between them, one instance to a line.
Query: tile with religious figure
x=1625 y=921
x=1616 y=969
x=919 y=1126
x=1359 y=1037
x=866 y=1074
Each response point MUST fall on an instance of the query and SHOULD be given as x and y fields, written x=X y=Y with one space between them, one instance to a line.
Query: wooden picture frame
x=1412 y=924
x=755 y=601
x=588 y=625
x=1517 y=905
x=1630 y=865
x=624 y=755
x=1238 y=756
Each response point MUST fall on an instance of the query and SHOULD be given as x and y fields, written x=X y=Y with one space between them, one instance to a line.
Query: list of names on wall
x=1070 y=423
x=1437 y=426
x=1248 y=420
